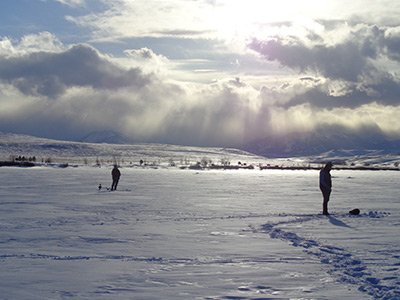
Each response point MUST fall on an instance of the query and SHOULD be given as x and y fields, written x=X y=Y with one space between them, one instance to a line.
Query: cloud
x=347 y=60
x=124 y=18
x=72 y=3
x=68 y=92
x=392 y=42
x=51 y=73
x=222 y=113
x=355 y=70
x=148 y=60
x=31 y=43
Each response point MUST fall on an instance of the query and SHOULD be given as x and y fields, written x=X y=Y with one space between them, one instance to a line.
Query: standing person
x=116 y=174
x=325 y=184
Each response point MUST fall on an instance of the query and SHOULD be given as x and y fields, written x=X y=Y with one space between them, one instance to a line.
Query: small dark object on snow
x=354 y=212
x=99 y=186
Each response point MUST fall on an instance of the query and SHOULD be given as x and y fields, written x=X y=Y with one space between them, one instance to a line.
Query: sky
x=199 y=72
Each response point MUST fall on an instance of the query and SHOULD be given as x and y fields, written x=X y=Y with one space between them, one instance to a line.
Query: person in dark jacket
x=116 y=174
x=325 y=184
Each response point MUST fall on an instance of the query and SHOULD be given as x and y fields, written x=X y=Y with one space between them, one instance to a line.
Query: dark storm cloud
x=356 y=61
x=347 y=60
x=71 y=93
x=385 y=90
x=392 y=43
x=50 y=74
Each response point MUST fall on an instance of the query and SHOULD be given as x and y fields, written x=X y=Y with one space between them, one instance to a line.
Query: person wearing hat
x=325 y=184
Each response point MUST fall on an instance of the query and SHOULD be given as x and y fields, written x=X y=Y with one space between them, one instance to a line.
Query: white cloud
x=72 y=3
x=43 y=41
x=126 y=18
x=6 y=47
x=148 y=60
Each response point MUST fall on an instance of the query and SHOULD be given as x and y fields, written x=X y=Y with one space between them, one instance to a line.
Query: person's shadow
x=337 y=222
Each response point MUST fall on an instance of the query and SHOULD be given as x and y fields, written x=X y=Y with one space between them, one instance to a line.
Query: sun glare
x=243 y=18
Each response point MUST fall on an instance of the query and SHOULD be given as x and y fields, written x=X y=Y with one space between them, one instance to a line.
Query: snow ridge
x=342 y=263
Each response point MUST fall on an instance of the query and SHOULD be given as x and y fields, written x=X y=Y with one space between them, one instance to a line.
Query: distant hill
x=108 y=137
x=67 y=151
x=14 y=145
x=325 y=140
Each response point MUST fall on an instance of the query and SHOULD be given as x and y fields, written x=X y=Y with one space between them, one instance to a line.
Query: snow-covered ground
x=184 y=234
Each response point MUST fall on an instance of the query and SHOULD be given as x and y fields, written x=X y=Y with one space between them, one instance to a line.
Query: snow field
x=180 y=234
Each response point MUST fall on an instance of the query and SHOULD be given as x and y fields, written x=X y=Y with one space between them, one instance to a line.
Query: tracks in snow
x=343 y=264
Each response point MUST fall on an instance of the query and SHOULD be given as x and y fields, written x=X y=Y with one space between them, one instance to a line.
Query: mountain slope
x=109 y=137
x=324 y=140
x=66 y=151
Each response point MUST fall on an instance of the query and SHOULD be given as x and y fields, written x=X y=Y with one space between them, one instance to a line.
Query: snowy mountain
x=45 y=150
x=325 y=140
x=76 y=152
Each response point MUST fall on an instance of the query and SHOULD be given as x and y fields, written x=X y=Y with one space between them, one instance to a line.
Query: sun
x=241 y=18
